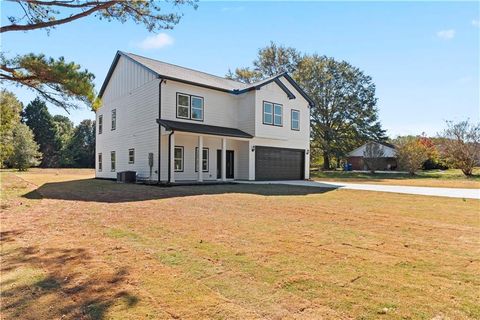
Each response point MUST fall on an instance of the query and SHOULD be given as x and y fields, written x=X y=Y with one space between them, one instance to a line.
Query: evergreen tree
x=81 y=149
x=37 y=117
x=10 y=109
x=25 y=150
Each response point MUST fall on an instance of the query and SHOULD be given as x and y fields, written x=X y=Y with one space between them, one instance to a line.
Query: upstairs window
x=197 y=108
x=277 y=115
x=183 y=106
x=112 y=161
x=272 y=114
x=131 y=156
x=204 y=160
x=99 y=162
x=267 y=113
x=189 y=107
x=100 y=124
x=295 y=120
x=114 y=119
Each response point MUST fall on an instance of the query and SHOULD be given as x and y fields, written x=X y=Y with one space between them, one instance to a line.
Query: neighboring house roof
x=357 y=152
x=189 y=76
x=203 y=129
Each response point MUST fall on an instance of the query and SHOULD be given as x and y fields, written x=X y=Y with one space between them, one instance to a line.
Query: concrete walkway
x=425 y=191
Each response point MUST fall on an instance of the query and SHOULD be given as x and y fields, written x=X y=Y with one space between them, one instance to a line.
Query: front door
x=229 y=166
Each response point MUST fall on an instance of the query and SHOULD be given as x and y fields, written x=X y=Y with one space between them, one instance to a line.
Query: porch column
x=200 y=158
x=224 y=159
x=172 y=157
x=251 y=160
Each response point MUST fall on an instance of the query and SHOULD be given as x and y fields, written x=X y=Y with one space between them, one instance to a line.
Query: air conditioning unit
x=127 y=177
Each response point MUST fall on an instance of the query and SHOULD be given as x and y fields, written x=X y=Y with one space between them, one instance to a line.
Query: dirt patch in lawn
x=90 y=249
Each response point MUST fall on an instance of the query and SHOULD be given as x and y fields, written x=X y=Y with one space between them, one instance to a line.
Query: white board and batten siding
x=133 y=92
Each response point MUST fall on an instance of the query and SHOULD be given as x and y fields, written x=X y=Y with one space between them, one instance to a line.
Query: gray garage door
x=279 y=163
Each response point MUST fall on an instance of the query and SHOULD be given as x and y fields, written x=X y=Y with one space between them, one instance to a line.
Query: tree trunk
x=326 y=161
x=467 y=171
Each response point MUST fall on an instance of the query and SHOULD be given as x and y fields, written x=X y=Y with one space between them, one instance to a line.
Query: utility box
x=127 y=177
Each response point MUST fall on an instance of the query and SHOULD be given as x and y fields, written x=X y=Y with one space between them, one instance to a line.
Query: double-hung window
x=295 y=120
x=100 y=124
x=189 y=107
x=272 y=114
x=131 y=156
x=204 y=160
x=178 y=159
x=114 y=119
x=99 y=162
x=112 y=161
x=197 y=108
x=183 y=106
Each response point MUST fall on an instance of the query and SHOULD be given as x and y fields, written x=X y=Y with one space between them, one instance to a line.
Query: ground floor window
x=131 y=156
x=99 y=162
x=112 y=161
x=178 y=159
x=204 y=160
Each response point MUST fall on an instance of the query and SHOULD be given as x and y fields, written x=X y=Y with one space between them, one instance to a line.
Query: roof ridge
x=178 y=66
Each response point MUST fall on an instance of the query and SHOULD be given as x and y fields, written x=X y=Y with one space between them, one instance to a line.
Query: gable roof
x=173 y=72
x=385 y=144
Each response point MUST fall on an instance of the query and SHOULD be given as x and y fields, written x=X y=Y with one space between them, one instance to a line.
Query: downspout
x=159 y=130
x=169 y=154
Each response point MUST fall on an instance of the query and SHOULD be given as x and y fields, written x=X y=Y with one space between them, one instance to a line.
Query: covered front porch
x=226 y=154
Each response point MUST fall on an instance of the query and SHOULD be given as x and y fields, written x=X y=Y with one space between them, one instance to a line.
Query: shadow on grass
x=112 y=192
x=46 y=284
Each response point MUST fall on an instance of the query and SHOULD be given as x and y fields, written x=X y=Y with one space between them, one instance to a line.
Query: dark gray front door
x=230 y=168
x=279 y=163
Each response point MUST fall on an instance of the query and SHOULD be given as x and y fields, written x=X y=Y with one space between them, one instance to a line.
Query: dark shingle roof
x=203 y=129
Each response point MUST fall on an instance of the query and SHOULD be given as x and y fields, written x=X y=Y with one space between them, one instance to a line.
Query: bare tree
x=373 y=156
x=461 y=145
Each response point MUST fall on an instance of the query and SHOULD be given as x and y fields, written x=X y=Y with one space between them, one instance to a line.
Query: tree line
x=31 y=136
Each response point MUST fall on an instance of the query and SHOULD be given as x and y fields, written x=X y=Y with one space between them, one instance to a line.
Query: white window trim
x=100 y=124
x=292 y=120
x=281 y=115
x=268 y=113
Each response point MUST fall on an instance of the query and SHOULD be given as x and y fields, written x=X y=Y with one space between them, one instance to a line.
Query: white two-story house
x=156 y=117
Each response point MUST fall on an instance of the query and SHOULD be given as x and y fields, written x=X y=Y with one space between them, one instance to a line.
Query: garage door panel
x=279 y=163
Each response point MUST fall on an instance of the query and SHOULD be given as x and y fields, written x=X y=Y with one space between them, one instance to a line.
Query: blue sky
x=422 y=56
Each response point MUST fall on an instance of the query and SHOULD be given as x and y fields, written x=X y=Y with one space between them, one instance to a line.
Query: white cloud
x=446 y=34
x=158 y=41
x=476 y=23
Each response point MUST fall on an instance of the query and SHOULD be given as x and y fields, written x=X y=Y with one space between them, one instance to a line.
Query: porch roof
x=203 y=129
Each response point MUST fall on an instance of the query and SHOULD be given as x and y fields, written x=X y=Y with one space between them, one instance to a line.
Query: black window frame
x=190 y=97
x=100 y=124
x=114 y=119
x=133 y=155
x=291 y=119
x=203 y=159
x=100 y=161
x=273 y=113
x=183 y=158
x=113 y=160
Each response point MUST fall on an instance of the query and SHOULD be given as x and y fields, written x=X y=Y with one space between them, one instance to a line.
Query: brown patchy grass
x=79 y=248
x=452 y=178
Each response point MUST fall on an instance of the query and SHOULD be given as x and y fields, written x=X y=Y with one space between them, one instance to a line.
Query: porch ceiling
x=202 y=129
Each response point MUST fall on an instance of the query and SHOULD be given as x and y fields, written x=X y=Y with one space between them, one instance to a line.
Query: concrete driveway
x=425 y=191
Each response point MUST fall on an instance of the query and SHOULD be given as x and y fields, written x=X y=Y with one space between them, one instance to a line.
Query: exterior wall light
x=307 y=151
x=253 y=148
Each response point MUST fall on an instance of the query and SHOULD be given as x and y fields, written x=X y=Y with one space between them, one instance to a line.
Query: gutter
x=169 y=154
x=159 y=130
